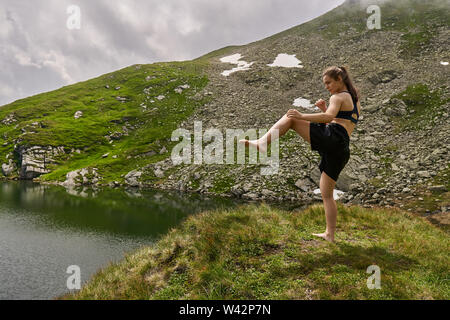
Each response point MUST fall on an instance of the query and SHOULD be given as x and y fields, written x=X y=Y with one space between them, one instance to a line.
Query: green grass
x=417 y=20
x=426 y=103
x=257 y=252
x=223 y=182
x=432 y=200
x=414 y=42
x=148 y=129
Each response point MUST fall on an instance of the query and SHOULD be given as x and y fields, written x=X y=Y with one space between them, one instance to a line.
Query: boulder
x=159 y=173
x=78 y=114
x=132 y=178
x=383 y=77
x=304 y=184
x=8 y=169
x=345 y=181
x=85 y=176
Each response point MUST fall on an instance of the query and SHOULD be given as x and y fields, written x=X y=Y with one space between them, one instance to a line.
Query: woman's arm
x=323 y=117
x=322 y=105
x=317 y=117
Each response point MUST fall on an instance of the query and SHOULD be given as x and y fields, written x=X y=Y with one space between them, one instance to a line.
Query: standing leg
x=326 y=188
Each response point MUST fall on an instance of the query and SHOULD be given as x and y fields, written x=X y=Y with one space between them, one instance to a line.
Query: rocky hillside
x=115 y=130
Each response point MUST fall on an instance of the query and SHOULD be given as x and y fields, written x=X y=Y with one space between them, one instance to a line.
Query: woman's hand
x=322 y=105
x=292 y=113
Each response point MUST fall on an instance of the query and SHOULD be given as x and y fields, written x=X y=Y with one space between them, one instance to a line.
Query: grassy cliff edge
x=258 y=252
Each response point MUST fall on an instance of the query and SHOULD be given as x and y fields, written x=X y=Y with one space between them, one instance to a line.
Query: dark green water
x=45 y=229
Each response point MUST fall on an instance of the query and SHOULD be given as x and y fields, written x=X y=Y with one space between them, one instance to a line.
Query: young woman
x=328 y=133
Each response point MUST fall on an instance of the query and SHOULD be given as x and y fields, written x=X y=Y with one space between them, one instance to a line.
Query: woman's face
x=332 y=85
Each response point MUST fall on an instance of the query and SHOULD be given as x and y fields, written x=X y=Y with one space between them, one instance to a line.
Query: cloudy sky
x=42 y=48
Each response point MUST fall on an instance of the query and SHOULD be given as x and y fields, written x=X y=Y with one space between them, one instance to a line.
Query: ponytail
x=335 y=72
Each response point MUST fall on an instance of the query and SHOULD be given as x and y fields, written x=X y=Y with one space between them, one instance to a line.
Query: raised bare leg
x=283 y=125
x=326 y=188
x=302 y=128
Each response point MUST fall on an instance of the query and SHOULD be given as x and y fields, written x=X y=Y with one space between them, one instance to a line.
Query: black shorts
x=332 y=142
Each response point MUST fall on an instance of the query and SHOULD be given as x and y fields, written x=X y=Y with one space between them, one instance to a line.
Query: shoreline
x=401 y=204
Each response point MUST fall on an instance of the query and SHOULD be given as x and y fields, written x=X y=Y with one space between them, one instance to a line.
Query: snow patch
x=286 y=61
x=234 y=59
x=304 y=103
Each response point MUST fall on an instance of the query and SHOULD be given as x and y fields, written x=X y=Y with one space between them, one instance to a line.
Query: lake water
x=45 y=229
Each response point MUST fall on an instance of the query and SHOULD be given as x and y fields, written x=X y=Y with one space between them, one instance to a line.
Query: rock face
x=9 y=168
x=34 y=161
x=85 y=176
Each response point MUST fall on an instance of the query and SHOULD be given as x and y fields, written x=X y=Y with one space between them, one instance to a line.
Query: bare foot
x=324 y=236
x=254 y=143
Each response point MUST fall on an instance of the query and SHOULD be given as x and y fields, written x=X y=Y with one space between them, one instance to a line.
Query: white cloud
x=6 y=26
x=24 y=60
x=38 y=53
x=57 y=62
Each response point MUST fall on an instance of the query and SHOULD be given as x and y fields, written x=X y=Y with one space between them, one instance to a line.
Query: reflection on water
x=44 y=229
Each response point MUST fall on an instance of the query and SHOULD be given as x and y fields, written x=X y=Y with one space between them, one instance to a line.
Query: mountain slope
x=129 y=114
x=399 y=149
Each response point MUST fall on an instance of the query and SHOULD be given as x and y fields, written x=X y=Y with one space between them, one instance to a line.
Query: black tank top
x=348 y=114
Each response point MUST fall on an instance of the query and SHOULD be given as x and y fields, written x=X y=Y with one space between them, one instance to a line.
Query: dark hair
x=336 y=72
